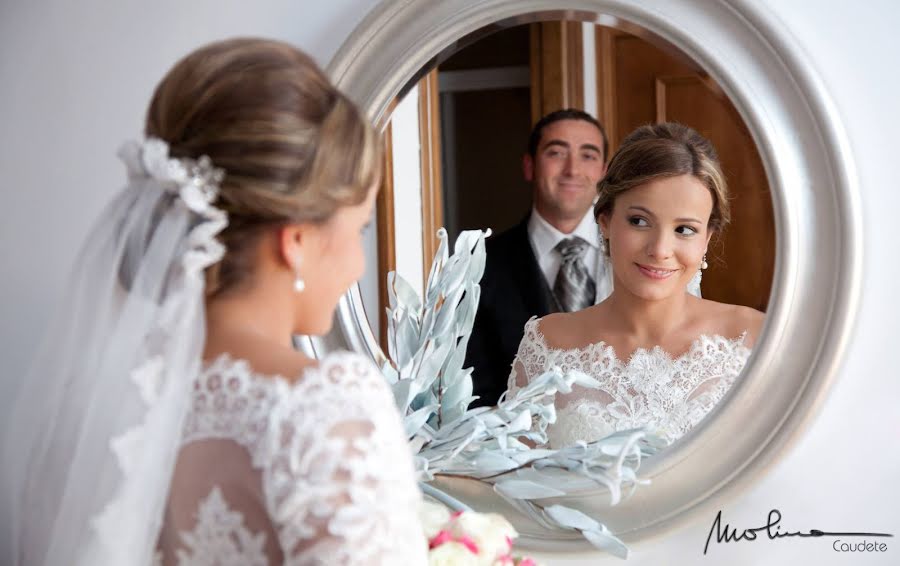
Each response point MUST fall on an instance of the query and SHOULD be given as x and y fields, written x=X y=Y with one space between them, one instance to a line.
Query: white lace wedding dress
x=311 y=472
x=651 y=389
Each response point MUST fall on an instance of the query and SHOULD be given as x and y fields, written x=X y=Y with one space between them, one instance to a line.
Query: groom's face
x=567 y=165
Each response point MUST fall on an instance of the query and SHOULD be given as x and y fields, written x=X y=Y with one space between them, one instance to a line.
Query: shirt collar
x=545 y=236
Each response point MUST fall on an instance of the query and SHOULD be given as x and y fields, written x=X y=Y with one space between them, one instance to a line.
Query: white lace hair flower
x=195 y=181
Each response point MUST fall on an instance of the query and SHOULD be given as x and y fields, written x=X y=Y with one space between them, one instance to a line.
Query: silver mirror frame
x=818 y=268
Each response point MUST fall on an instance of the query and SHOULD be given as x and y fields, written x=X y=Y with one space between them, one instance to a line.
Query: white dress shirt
x=544 y=239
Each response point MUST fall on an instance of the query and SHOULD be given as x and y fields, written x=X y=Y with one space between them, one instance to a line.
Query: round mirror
x=457 y=90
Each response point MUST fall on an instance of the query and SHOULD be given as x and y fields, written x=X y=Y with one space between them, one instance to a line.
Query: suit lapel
x=536 y=294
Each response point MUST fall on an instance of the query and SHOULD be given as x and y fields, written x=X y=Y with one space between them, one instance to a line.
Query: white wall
x=406 y=154
x=75 y=79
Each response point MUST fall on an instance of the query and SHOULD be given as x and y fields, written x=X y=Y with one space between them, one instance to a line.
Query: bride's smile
x=655 y=273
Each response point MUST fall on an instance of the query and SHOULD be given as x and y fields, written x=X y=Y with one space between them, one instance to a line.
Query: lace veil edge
x=92 y=439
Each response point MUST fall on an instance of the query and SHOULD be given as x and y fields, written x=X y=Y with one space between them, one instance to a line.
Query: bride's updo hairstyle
x=294 y=149
x=657 y=151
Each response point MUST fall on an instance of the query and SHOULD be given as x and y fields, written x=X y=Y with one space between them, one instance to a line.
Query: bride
x=169 y=419
x=663 y=357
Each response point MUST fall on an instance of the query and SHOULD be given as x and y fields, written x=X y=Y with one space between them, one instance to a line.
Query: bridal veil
x=92 y=440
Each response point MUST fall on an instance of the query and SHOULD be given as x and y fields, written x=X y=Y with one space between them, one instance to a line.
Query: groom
x=551 y=261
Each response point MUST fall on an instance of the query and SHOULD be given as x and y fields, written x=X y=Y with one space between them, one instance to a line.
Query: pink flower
x=439 y=539
x=445 y=536
x=468 y=542
x=490 y=532
x=469 y=538
x=453 y=554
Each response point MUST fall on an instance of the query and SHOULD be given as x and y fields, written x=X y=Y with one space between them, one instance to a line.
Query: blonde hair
x=663 y=150
x=294 y=149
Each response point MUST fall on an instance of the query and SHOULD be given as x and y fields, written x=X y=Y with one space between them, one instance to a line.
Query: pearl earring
x=299 y=283
x=703 y=264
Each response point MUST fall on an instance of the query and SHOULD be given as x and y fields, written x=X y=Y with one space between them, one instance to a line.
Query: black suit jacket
x=513 y=290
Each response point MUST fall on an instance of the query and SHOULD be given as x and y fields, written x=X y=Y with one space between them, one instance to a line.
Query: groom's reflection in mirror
x=551 y=261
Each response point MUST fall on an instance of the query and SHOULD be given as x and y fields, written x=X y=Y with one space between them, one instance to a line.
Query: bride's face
x=333 y=260
x=658 y=233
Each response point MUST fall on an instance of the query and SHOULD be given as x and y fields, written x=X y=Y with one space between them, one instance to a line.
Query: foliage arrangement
x=427 y=341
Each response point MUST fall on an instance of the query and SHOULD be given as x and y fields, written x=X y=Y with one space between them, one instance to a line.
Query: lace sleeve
x=530 y=360
x=340 y=487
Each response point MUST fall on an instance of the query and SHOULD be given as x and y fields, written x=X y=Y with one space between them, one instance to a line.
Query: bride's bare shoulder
x=552 y=327
x=565 y=331
x=734 y=320
x=264 y=356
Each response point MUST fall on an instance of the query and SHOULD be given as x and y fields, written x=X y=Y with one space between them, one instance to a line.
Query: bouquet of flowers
x=467 y=538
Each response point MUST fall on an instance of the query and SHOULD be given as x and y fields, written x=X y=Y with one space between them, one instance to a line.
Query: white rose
x=433 y=517
x=489 y=531
x=452 y=554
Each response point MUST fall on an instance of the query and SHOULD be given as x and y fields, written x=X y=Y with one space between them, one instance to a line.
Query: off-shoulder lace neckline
x=228 y=360
x=610 y=352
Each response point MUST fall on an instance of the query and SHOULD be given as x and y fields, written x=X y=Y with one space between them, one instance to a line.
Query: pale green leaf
x=493 y=463
x=447 y=315
x=605 y=540
x=573 y=518
x=406 y=295
x=454 y=273
x=430 y=369
x=404 y=391
x=523 y=489
x=414 y=421
x=437 y=265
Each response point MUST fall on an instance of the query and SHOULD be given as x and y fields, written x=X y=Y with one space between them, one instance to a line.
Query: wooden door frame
x=430 y=167
x=431 y=193
x=604 y=38
x=386 y=242
x=557 y=67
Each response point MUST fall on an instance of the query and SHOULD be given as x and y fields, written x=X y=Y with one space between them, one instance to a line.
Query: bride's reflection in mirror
x=466 y=149
x=660 y=203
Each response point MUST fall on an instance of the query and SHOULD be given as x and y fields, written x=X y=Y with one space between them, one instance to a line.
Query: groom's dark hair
x=534 y=140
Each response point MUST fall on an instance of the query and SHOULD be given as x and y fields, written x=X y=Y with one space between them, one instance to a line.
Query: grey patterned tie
x=574 y=288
